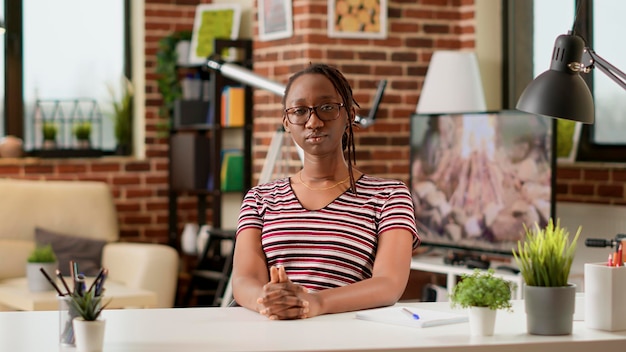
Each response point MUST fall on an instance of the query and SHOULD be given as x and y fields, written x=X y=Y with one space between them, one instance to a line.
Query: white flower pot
x=37 y=282
x=89 y=335
x=482 y=321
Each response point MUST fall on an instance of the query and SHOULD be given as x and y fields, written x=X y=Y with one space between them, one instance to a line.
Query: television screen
x=478 y=178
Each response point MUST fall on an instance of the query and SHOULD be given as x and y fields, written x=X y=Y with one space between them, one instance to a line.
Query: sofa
x=79 y=216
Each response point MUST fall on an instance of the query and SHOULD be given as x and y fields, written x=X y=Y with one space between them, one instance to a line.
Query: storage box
x=605 y=289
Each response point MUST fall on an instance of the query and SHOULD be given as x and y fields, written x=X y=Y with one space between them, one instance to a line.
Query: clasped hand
x=283 y=299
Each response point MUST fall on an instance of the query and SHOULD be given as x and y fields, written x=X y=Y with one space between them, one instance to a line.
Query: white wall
x=489 y=50
x=597 y=221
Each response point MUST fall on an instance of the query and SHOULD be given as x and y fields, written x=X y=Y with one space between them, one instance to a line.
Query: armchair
x=81 y=209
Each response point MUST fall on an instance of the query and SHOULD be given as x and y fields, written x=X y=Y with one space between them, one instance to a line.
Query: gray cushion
x=86 y=252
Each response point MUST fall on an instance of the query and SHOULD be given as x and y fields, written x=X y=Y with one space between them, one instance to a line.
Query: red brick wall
x=416 y=29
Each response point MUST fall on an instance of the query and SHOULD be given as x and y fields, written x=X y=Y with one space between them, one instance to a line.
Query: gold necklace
x=322 y=188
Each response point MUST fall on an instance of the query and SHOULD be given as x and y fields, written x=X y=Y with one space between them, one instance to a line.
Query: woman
x=328 y=239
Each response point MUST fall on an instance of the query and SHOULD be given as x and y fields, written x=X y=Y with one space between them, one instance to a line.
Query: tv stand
x=436 y=264
x=471 y=261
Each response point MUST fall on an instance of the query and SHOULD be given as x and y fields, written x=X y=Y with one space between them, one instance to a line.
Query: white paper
x=396 y=315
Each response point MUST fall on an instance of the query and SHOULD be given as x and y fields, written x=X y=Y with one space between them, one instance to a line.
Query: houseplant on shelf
x=88 y=327
x=82 y=132
x=168 y=76
x=123 y=116
x=544 y=258
x=483 y=293
x=41 y=257
x=49 y=132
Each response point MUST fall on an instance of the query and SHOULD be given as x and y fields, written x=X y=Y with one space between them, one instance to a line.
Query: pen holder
x=66 y=315
x=605 y=287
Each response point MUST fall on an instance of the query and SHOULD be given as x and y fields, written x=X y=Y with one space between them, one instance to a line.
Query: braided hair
x=344 y=89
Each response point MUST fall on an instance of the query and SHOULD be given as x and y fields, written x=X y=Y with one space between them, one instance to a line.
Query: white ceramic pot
x=189 y=239
x=37 y=282
x=89 y=335
x=482 y=321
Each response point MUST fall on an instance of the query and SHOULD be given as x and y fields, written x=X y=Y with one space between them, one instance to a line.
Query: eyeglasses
x=300 y=115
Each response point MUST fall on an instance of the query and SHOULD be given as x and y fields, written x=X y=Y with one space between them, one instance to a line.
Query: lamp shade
x=452 y=84
x=560 y=92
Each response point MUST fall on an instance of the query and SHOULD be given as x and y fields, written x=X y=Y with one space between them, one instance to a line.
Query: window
x=71 y=50
x=599 y=23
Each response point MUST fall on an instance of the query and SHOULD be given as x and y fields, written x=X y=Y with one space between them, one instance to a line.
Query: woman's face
x=315 y=136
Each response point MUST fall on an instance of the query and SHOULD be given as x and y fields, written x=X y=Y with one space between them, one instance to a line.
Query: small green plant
x=546 y=255
x=42 y=254
x=82 y=130
x=49 y=131
x=482 y=289
x=88 y=305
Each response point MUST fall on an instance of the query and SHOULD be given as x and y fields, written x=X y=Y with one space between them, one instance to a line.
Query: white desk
x=435 y=264
x=238 y=329
x=14 y=294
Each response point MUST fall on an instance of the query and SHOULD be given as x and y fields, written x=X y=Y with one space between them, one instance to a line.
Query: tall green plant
x=123 y=112
x=166 y=68
x=546 y=255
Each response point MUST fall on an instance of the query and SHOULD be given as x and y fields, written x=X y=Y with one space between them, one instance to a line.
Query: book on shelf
x=233 y=106
x=231 y=177
x=399 y=315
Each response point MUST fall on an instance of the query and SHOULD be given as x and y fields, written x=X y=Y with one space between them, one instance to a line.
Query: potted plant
x=168 y=76
x=123 y=116
x=483 y=293
x=41 y=257
x=82 y=132
x=544 y=258
x=88 y=327
x=49 y=132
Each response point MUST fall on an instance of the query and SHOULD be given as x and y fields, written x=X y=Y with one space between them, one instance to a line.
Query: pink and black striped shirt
x=333 y=246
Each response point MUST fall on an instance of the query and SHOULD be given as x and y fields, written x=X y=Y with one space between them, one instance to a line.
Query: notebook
x=396 y=315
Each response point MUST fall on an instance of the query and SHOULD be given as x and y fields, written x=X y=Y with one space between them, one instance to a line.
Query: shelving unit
x=196 y=152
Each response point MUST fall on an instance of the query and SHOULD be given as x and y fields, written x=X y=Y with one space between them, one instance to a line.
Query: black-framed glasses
x=299 y=115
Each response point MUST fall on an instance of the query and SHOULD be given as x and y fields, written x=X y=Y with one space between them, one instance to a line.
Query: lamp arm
x=250 y=78
x=595 y=60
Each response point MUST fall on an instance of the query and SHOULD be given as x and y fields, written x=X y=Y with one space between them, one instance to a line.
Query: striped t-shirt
x=333 y=246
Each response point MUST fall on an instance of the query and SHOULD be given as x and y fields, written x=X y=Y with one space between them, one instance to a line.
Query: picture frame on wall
x=212 y=21
x=367 y=21
x=275 y=19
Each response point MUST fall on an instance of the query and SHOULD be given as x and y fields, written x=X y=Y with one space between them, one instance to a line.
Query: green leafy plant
x=482 y=289
x=123 y=112
x=42 y=254
x=166 y=68
x=88 y=305
x=49 y=131
x=82 y=130
x=546 y=255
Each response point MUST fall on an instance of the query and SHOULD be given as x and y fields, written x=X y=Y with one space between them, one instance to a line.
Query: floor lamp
x=452 y=84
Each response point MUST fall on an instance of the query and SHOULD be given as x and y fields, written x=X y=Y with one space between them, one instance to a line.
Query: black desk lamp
x=561 y=92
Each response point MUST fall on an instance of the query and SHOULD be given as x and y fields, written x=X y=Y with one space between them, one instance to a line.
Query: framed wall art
x=357 y=19
x=212 y=21
x=275 y=19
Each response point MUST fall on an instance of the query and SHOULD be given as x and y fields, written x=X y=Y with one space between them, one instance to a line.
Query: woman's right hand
x=280 y=299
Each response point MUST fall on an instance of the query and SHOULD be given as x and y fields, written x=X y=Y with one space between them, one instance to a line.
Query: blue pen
x=413 y=315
